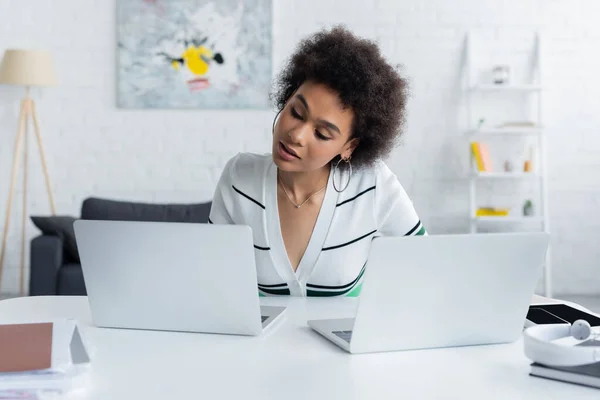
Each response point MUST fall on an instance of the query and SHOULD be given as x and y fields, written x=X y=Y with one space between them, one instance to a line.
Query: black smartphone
x=559 y=314
x=540 y=316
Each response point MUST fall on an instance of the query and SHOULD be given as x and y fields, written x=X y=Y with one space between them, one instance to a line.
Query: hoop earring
x=275 y=121
x=335 y=168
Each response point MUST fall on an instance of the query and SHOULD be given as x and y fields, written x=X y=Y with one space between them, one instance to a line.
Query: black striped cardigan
x=373 y=204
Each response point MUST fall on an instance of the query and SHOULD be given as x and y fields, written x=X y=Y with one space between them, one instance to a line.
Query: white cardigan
x=373 y=204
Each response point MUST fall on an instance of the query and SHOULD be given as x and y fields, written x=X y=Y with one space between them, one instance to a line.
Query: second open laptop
x=440 y=291
x=172 y=276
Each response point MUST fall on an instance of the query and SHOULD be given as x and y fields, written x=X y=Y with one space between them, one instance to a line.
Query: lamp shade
x=27 y=68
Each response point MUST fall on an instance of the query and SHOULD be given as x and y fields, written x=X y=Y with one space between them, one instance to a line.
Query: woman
x=318 y=199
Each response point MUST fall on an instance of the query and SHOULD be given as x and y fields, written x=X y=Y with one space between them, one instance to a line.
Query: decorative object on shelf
x=528 y=165
x=25 y=68
x=508 y=166
x=528 y=210
x=491 y=212
x=501 y=74
x=481 y=155
x=480 y=123
x=194 y=54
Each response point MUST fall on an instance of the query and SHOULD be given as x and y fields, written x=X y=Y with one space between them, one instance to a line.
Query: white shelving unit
x=534 y=88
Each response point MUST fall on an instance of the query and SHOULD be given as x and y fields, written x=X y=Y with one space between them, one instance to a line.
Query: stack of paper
x=40 y=358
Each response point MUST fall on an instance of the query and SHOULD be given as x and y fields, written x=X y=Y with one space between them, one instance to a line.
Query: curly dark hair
x=365 y=82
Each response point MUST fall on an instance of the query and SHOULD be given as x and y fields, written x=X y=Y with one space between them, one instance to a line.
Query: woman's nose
x=299 y=134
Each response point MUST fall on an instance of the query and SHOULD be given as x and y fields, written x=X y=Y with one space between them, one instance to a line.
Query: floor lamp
x=25 y=68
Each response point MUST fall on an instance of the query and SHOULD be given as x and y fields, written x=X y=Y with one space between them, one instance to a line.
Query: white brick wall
x=95 y=149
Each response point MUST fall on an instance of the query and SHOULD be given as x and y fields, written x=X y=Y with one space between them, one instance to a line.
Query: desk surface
x=289 y=361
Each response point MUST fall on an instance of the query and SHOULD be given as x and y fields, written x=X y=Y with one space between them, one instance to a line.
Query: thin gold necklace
x=290 y=199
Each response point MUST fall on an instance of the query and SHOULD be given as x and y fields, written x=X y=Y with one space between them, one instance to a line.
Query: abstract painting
x=194 y=54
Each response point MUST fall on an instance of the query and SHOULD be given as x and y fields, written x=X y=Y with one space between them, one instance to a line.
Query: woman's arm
x=396 y=223
x=395 y=213
x=220 y=211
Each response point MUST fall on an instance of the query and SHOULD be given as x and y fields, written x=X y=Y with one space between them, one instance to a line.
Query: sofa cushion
x=61 y=226
x=103 y=209
x=70 y=280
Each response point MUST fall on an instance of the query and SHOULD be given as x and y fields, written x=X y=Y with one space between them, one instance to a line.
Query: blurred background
x=502 y=134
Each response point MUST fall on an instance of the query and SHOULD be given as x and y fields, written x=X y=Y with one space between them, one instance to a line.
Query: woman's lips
x=287 y=153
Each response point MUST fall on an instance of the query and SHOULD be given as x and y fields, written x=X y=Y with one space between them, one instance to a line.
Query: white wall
x=95 y=149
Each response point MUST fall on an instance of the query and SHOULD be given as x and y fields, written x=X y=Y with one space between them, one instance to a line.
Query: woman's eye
x=321 y=136
x=295 y=113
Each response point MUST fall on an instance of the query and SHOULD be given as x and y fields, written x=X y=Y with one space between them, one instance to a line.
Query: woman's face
x=312 y=129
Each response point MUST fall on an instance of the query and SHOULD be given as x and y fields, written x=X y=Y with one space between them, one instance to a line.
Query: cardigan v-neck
x=373 y=204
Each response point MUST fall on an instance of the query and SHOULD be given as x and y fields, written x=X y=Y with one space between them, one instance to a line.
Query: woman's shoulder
x=391 y=201
x=378 y=173
x=246 y=159
x=387 y=187
x=246 y=166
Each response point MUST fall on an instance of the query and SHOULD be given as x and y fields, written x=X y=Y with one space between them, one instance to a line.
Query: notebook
x=586 y=375
x=45 y=356
x=25 y=347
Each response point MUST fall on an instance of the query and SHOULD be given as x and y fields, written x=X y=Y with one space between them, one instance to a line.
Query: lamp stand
x=27 y=112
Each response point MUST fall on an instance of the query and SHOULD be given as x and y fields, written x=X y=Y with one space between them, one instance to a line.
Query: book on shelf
x=481 y=155
x=491 y=212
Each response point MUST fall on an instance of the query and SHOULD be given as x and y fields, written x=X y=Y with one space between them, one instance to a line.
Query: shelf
x=505 y=175
x=513 y=130
x=481 y=128
x=505 y=88
x=508 y=219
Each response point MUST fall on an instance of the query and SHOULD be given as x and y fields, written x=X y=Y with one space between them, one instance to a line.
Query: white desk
x=290 y=361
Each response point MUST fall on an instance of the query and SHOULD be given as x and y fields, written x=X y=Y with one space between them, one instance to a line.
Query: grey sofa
x=55 y=268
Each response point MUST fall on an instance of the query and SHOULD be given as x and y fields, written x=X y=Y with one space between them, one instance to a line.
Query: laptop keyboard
x=344 y=335
x=264 y=318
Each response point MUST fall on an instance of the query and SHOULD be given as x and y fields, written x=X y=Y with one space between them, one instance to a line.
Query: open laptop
x=172 y=276
x=440 y=291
